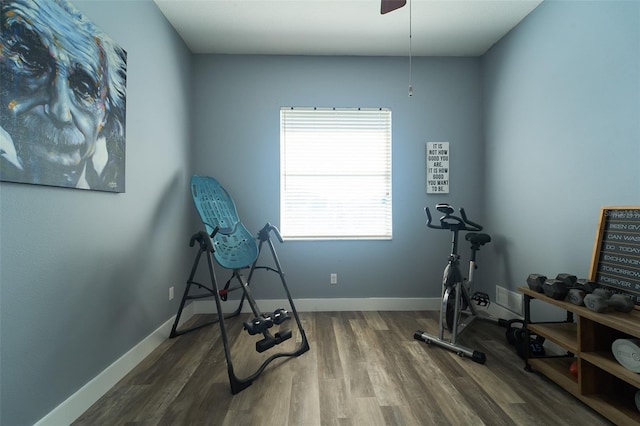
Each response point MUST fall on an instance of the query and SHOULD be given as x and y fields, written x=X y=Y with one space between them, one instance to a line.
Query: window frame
x=335 y=136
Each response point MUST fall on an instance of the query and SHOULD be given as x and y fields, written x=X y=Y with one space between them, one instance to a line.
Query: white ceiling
x=343 y=27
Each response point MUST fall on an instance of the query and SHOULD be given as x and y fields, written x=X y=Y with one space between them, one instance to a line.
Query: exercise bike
x=458 y=298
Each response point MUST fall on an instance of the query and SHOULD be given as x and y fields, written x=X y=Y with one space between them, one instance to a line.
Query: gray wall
x=85 y=275
x=544 y=130
x=237 y=103
x=562 y=133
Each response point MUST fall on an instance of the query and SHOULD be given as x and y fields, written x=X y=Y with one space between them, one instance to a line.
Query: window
x=335 y=173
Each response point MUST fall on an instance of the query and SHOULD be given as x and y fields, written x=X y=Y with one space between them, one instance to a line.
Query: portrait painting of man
x=62 y=98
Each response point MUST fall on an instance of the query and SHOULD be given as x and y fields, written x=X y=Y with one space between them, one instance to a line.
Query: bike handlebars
x=454 y=223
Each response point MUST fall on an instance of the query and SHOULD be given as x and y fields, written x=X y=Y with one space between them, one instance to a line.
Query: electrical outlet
x=170 y=293
x=334 y=279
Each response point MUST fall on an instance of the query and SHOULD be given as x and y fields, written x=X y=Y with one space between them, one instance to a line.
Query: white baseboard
x=346 y=304
x=74 y=406
x=327 y=305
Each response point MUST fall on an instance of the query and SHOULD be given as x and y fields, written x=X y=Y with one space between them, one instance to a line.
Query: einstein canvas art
x=62 y=98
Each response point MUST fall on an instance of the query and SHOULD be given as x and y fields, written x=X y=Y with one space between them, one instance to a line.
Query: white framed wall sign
x=437 y=167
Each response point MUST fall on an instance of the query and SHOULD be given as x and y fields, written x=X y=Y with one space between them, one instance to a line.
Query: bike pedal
x=481 y=299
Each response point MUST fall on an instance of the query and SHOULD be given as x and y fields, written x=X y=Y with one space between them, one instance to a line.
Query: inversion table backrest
x=234 y=246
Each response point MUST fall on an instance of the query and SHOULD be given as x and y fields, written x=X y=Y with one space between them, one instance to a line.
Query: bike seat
x=477 y=238
x=444 y=208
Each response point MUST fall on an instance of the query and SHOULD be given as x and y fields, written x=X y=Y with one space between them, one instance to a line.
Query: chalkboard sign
x=616 y=252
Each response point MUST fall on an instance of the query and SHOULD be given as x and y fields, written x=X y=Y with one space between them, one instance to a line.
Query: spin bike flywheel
x=449 y=307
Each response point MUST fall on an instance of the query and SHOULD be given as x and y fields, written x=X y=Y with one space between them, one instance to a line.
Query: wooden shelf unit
x=603 y=384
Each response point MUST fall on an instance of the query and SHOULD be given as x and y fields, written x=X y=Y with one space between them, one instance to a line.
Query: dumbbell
x=588 y=285
x=577 y=296
x=559 y=287
x=583 y=287
x=535 y=282
x=569 y=279
x=555 y=289
x=569 y=287
x=599 y=302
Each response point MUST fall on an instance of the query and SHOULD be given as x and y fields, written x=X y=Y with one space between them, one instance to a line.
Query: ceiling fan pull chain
x=410 y=54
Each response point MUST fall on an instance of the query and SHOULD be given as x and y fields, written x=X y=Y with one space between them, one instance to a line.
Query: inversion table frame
x=233 y=247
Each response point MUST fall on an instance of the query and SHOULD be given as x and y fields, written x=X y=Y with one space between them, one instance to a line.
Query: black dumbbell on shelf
x=564 y=286
x=579 y=292
x=581 y=288
x=557 y=288
x=599 y=302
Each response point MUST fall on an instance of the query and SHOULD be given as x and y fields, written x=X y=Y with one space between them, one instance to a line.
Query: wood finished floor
x=363 y=368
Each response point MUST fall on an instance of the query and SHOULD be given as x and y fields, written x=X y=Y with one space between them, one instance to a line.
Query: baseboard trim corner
x=74 y=406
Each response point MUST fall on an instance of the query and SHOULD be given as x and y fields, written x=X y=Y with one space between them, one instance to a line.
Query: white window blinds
x=335 y=173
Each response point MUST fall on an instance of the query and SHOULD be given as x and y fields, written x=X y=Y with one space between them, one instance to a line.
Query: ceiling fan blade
x=387 y=6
